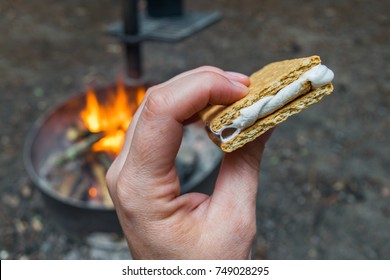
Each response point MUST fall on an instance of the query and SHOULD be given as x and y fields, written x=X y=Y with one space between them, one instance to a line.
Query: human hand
x=157 y=221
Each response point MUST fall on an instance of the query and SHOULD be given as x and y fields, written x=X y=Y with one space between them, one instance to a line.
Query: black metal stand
x=137 y=28
x=131 y=28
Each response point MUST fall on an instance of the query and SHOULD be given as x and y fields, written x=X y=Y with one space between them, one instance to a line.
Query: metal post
x=131 y=28
x=165 y=8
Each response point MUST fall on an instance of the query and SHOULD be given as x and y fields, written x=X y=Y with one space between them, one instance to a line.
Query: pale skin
x=157 y=221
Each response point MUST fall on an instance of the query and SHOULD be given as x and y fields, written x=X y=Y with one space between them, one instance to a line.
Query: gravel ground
x=325 y=188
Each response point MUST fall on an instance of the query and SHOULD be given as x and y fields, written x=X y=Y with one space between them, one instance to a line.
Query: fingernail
x=238 y=84
x=236 y=74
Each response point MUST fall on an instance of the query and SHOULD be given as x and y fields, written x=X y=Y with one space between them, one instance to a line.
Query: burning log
x=78 y=172
x=80 y=189
x=79 y=148
x=76 y=133
x=66 y=185
x=104 y=159
x=99 y=173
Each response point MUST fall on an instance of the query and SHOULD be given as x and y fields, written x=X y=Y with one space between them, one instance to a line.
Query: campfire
x=94 y=139
x=110 y=119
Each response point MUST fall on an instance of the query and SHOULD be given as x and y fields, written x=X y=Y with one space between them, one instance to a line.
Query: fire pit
x=69 y=150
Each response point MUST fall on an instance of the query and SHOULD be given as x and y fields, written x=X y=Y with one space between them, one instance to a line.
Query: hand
x=157 y=221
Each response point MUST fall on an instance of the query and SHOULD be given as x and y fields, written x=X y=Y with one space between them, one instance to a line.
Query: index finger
x=157 y=133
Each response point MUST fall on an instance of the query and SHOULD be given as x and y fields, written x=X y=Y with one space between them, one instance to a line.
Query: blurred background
x=324 y=184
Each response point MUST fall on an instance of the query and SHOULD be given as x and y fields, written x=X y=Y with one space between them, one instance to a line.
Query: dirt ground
x=325 y=188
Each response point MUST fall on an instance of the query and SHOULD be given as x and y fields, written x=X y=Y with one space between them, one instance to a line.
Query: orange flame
x=112 y=118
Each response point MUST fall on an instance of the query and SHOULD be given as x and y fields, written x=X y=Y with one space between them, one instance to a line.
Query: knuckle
x=208 y=68
x=124 y=196
x=207 y=79
x=209 y=75
x=153 y=105
x=121 y=182
x=110 y=178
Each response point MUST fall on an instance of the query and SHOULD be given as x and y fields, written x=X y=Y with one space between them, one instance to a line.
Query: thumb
x=237 y=184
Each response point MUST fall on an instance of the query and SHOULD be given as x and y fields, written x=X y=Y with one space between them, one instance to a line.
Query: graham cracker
x=265 y=82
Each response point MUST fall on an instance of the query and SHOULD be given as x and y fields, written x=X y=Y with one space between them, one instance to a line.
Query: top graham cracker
x=265 y=82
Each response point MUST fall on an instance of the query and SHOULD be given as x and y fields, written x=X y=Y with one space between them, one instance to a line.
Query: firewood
x=81 y=187
x=76 y=133
x=67 y=183
x=104 y=159
x=99 y=173
x=77 y=149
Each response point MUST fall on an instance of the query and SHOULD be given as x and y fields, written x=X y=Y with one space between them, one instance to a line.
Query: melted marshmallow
x=318 y=76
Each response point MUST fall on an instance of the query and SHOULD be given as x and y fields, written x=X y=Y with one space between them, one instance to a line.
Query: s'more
x=276 y=92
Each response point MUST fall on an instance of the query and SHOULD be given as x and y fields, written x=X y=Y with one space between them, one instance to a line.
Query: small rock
x=114 y=48
x=385 y=192
x=274 y=160
x=38 y=92
x=26 y=190
x=12 y=201
x=339 y=185
x=20 y=226
x=36 y=223
x=4 y=255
